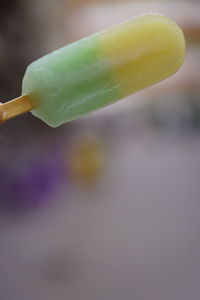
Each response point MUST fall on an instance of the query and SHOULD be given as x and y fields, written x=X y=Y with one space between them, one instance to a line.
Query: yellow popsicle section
x=143 y=51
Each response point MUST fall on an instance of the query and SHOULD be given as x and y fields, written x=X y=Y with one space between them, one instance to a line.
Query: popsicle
x=99 y=70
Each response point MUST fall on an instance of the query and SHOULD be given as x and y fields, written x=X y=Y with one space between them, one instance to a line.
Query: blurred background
x=106 y=207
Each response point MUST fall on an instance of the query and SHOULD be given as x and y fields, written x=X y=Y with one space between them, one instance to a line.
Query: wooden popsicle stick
x=14 y=108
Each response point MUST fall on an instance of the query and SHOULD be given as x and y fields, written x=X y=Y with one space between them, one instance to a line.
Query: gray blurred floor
x=137 y=237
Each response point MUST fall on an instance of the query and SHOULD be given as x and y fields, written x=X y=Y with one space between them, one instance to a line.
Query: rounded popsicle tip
x=144 y=51
x=171 y=36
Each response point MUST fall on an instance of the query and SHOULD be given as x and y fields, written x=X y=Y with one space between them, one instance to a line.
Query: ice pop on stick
x=99 y=70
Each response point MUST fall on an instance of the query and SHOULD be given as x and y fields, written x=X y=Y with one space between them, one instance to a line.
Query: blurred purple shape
x=33 y=184
x=42 y=179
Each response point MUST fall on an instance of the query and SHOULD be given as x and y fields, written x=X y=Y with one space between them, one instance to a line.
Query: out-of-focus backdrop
x=106 y=207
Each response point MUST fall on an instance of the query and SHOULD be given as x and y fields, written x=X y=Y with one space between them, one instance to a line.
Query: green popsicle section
x=70 y=82
x=99 y=70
